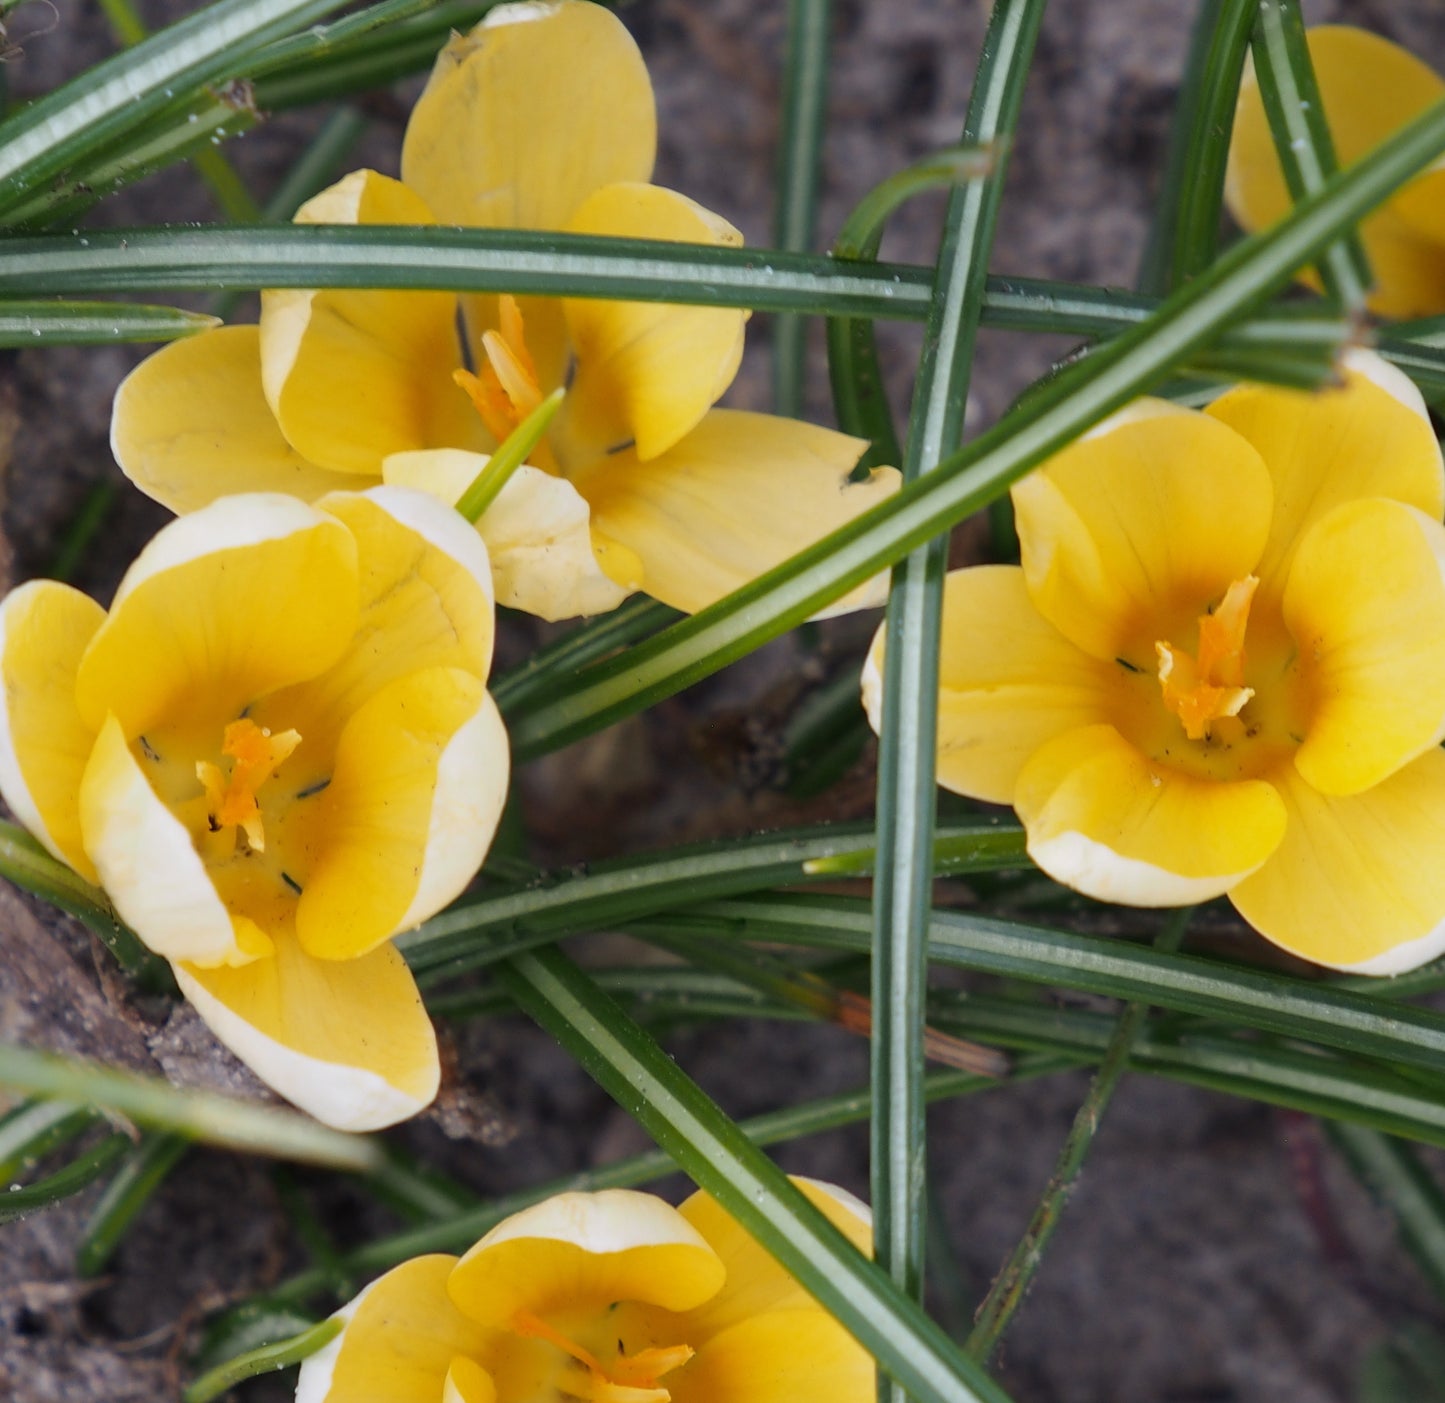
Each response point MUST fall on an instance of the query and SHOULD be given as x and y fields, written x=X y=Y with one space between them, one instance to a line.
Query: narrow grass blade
x=1302 y=1079
x=509 y=456
x=361 y=52
x=449 y=259
x=181 y=130
x=1338 y=1018
x=82 y=529
x=1302 y=136
x=903 y=888
x=31 y=1130
x=95 y=323
x=491 y=927
x=805 y=103
x=60 y=129
x=127 y=1193
x=267 y=1359
x=1394 y=1174
x=24 y=862
x=508 y=260
x=320 y=163
x=587 y=643
x=79 y=1174
x=720 y=1158
x=1009 y=1287
x=1184 y=235
x=216 y=1120
x=229 y=191
x=860 y=397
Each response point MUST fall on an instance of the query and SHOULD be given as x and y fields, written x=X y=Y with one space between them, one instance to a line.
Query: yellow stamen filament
x=232 y=803
x=1203 y=690
x=506 y=390
x=632 y=1378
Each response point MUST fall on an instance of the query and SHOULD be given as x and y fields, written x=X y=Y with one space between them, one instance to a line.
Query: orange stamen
x=258 y=755
x=632 y=1378
x=1206 y=689
x=505 y=390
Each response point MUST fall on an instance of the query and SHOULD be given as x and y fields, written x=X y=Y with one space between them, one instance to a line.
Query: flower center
x=1202 y=691
x=506 y=391
x=629 y=1378
x=231 y=800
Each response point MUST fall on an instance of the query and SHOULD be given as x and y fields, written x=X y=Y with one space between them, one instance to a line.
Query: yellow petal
x=538 y=534
x=780 y=1357
x=44 y=743
x=1369 y=88
x=190 y=424
x=397 y=1343
x=426 y=601
x=468 y=1382
x=418 y=787
x=1366 y=605
x=1103 y=819
x=528 y=114
x=1008 y=682
x=1357 y=883
x=646 y=372
x=582 y=1249
x=1369 y=438
x=1135 y=530
x=738 y=495
x=145 y=859
x=222 y=606
x=348 y=1041
x=354 y=375
x=756 y=1283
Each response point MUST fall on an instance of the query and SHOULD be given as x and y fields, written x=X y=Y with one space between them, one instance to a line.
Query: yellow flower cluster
x=276 y=751
x=612 y=1297
x=541 y=118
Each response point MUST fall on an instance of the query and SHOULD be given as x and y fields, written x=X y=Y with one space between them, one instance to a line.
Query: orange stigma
x=631 y=1378
x=1203 y=690
x=232 y=803
x=506 y=391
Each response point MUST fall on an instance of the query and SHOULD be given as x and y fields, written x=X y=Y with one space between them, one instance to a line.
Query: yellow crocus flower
x=540 y=118
x=1221 y=666
x=1369 y=89
x=613 y=1297
x=274 y=752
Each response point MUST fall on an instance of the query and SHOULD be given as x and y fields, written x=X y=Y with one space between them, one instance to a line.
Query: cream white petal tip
x=1098 y=871
x=841 y=1196
x=228 y=523
x=313 y=1385
x=521 y=12
x=1399 y=959
x=467 y=803
x=343 y=1097
x=441 y=526
x=871 y=685
x=1390 y=378
x=146 y=861
x=601 y=1222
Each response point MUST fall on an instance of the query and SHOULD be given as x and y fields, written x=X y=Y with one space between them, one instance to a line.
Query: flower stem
x=1012 y=1283
x=488 y=483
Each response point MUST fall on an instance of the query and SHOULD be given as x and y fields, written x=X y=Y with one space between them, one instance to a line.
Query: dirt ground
x=1187 y=1269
